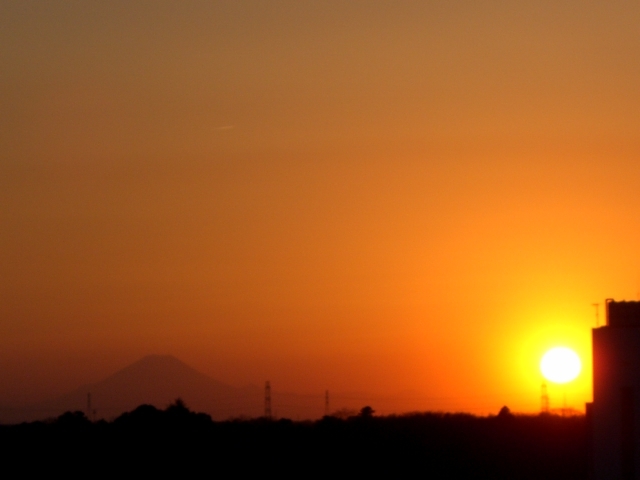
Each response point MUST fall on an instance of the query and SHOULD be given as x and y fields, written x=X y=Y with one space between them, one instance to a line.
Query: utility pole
x=267 y=400
x=326 y=403
x=89 y=406
x=597 y=307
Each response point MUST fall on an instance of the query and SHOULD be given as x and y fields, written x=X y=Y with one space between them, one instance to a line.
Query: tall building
x=614 y=415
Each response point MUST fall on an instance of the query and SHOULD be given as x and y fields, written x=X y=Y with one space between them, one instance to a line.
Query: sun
x=560 y=365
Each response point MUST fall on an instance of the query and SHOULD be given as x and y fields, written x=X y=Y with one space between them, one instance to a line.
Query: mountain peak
x=159 y=361
x=159 y=370
x=158 y=380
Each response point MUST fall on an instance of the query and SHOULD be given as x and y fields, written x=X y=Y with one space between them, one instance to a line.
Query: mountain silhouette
x=155 y=380
x=159 y=380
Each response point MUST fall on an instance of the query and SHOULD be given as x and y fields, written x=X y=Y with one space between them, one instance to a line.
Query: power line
x=326 y=403
x=267 y=400
x=597 y=307
x=544 y=399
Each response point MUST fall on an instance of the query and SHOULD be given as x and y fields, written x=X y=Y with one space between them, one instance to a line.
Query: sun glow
x=560 y=365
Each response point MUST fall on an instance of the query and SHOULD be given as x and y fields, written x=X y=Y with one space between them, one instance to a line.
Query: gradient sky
x=411 y=198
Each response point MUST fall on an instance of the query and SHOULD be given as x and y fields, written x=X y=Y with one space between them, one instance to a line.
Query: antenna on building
x=544 y=399
x=267 y=400
x=597 y=307
x=326 y=403
x=607 y=301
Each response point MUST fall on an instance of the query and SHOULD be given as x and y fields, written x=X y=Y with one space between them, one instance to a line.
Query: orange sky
x=400 y=198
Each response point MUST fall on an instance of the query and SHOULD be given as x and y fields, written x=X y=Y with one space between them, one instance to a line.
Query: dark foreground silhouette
x=149 y=441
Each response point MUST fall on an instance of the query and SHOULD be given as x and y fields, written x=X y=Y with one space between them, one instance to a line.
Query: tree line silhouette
x=151 y=441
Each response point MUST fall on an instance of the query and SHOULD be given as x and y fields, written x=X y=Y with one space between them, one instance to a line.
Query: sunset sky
x=412 y=199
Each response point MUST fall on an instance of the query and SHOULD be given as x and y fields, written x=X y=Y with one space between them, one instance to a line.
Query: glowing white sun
x=560 y=365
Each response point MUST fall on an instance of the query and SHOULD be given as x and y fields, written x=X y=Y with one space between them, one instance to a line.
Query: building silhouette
x=614 y=415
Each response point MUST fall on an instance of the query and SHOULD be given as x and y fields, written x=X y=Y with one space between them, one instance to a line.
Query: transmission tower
x=326 y=403
x=267 y=400
x=544 y=399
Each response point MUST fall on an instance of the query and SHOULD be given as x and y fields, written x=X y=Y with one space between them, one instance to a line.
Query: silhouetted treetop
x=430 y=445
x=367 y=412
